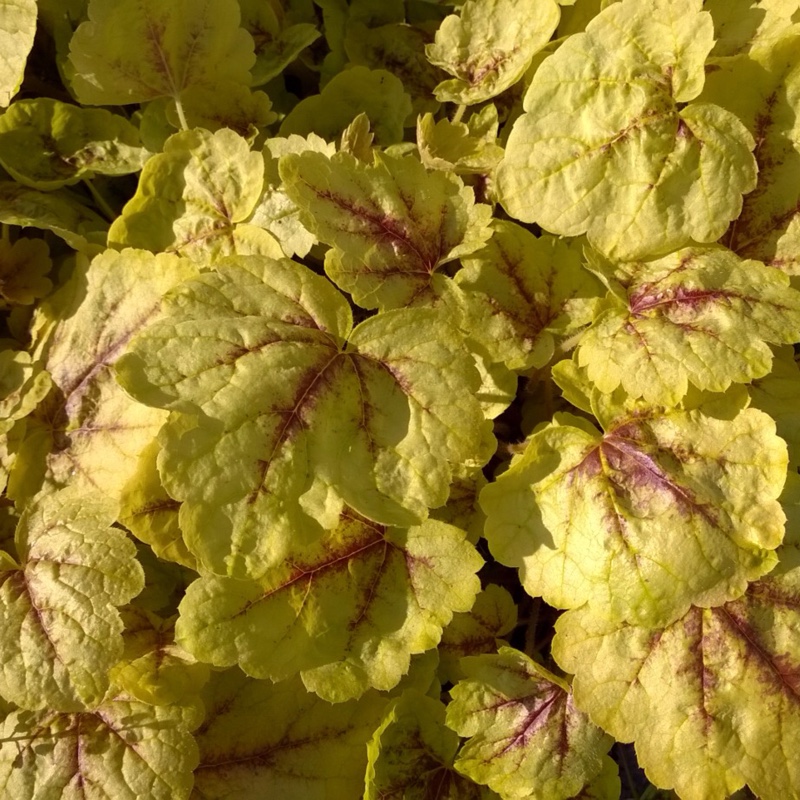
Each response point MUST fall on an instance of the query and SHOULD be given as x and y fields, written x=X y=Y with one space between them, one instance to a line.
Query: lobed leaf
x=23 y=269
x=664 y=510
x=17 y=30
x=61 y=631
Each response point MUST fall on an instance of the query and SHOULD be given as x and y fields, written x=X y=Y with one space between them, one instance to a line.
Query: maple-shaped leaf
x=411 y=755
x=712 y=701
x=60 y=211
x=17 y=29
x=476 y=631
x=525 y=736
x=309 y=750
x=304 y=412
x=762 y=89
x=47 y=144
x=88 y=433
x=392 y=223
x=61 y=631
x=23 y=269
x=611 y=146
x=668 y=508
x=698 y=315
x=23 y=385
x=358 y=90
x=489 y=45
x=121 y=750
x=524 y=293
x=131 y=51
x=194 y=199
x=150 y=514
x=361 y=600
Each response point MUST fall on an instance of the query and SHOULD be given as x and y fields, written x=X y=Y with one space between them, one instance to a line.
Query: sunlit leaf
x=17 y=29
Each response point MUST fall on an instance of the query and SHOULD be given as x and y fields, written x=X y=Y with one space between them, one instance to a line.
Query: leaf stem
x=459 y=113
x=530 y=628
x=6 y=233
x=104 y=207
x=181 y=115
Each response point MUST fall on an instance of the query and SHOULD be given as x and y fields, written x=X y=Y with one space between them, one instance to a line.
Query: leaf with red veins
x=699 y=316
x=712 y=701
x=665 y=510
x=360 y=602
x=525 y=736
x=392 y=224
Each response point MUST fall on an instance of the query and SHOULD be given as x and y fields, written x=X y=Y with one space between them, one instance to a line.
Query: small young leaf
x=23 y=266
x=23 y=385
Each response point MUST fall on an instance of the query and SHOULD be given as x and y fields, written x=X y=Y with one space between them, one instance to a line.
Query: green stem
x=459 y=113
x=6 y=233
x=104 y=207
x=181 y=115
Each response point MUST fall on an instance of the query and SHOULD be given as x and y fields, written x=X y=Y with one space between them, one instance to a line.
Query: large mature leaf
x=193 y=199
x=60 y=631
x=131 y=51
x=411 y=755
x=524 y=293
x=712 y=701
x=699 y=315
x=17 y=29
x=47 y=144
x=262 y=740
x=88 y=433
x=666 y=509
x=361 y=600
x=526 y=737
x=393 y=223
x=607 y=146
x=121 y=750
x=746 y=26
x=278 y=421
x=489 y=45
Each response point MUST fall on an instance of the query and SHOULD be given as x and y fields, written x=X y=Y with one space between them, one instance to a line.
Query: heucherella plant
x=399 y=400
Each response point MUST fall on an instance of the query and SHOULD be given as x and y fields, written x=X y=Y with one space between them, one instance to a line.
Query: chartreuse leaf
x=361 y=600
x=526 y=737
x=699 y=315
x=121 y=750
x=742 y=26
x=411 y=755
x=17 y=29
x=23 y=385
x=476 y=631
x=277 y=42
x=276 y=211
x=711 y=700
x=88 y=433
x=193 y=199
x=767 y=227
x=150 y=514
x=461 y=147
x=23 y=267
x=61 y=631
x=524 y=293
x=358 y=90
x=392 y=223
x=489 y=45
x=47 y=144
x=277 y=421
x=61 y=212
x=309 y=750
x=131 y=51
x=462 y=508
x=607 y=147
x=666 y=509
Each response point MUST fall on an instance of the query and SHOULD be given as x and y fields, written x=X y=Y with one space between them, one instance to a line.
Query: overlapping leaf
x=194 y=199
x=526 y=737
x=489 y=45
x=310 y=750
x=121 y=750
x=525 y=291
x=89 y=433
x=277 y=421
x=60 y=629
x=712 y=701
x=392 y=223
x=17 y=30
x=23 y=269
x=745 y=26
x=411 y=755
x=607 y=146
x=23 y=385
x=360 y=601
x=697 y=315
x=664 y=510
x=46 y=144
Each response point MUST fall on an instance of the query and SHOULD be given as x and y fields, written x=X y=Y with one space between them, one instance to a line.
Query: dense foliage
x=399 y=399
